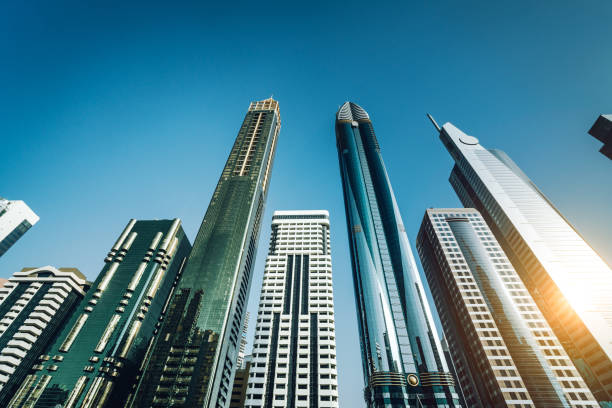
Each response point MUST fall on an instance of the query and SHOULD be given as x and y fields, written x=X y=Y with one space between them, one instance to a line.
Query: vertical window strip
x=269 y=399
x=288 y=278
x=107 y=333
x=295 y=332
x=74 y=396
x=108 y=276
x=72 y=335
x=91 y=395
x=23 y=392
x=305 y=285
x=130 y=339
x=35 y=395
x=314 y=361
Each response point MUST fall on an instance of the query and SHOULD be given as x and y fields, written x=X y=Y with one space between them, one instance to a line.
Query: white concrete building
x=33 y=305
x=15 y=219
x=294 y=352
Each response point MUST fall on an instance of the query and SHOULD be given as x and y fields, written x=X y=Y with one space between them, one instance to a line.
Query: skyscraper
x=34 y=304
x=294 y=354
x=193 y=359
x=602 y=131
x=15 y=219
x=94 y=360
x=569 y=282
x=505 y=351
x=402 y=358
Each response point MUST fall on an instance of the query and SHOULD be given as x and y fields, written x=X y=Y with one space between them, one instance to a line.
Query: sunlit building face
x=570 y=283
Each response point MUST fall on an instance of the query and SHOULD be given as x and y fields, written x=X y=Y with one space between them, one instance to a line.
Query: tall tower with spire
x=403 y=362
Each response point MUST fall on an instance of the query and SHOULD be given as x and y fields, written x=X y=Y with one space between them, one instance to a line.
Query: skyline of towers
x=294 y=352
x=402 y=358
x=183 y=347
x=503 y=348
x=16 y=218
x=34 y=304
x=569 y=282
x=95 y=358
x=193 y=359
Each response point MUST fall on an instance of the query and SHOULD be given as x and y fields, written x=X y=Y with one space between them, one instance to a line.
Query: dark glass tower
x=192 y=361
x=403 y=363
x=95 y=358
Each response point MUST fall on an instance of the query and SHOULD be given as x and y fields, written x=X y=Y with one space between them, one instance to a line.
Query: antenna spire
x=433 y=121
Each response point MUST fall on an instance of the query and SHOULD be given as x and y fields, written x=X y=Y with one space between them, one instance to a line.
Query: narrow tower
x=567 y=279
x=505 y=352
x=294 y=354
x=402 y=358
x=192 y=363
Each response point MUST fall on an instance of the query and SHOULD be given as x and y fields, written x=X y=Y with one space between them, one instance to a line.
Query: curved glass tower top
x=403 y=363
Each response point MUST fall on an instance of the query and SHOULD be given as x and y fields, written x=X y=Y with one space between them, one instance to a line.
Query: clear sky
x=111 y=110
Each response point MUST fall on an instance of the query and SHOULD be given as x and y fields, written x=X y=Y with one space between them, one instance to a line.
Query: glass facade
x=402 y=359
x=95 y=359
x=569 y=282
x=192 y=362
x=506 y=352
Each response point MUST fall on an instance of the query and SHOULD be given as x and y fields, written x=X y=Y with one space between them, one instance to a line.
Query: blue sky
x=115 y=110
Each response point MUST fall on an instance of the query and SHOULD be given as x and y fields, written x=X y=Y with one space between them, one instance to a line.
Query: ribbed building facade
x=15 y=219
x=505 y=353
x=194 y=357
x=34 y=304
x=403 y=363
x=567 y=279
x=294 y=353
x=95 y=360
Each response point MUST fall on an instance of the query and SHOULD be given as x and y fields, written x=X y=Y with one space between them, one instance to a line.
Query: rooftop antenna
x=434 y=122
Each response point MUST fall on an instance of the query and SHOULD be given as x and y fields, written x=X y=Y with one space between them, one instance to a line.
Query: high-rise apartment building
x=505 y=352
x=568 y=280
x=402 y=358
x=34 y=304
x=95 y=359
x=193 y=359
x=15 y=219
x=602 y=131
x=294 y=353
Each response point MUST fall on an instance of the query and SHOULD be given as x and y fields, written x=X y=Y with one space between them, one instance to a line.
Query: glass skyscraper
x=402 y=358
x=567 y=279
x=192 y=362
x=505 y=352
x=95 y=359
